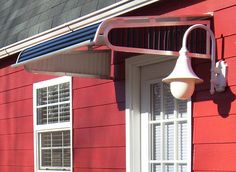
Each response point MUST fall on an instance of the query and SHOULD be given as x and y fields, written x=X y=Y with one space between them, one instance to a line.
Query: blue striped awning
x=73 y=39
x=65 y=55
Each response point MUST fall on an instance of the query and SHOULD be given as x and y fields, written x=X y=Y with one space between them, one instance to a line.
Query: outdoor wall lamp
x=182 y=79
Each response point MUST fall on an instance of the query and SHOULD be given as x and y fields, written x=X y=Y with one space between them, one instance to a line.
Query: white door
x=165 y=123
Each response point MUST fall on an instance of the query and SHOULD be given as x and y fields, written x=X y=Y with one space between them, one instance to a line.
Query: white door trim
x=133 y=117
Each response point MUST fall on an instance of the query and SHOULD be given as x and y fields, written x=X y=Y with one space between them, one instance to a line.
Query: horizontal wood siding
x=215 y=116
x=16 y=117
x=98 y=121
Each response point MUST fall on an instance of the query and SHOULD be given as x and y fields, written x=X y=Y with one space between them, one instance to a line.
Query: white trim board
x=133 y=111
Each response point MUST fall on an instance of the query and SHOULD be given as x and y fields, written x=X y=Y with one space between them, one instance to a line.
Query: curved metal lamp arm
x=213 y=50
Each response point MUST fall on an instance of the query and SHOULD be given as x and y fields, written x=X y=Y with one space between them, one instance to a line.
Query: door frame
x=133 y=109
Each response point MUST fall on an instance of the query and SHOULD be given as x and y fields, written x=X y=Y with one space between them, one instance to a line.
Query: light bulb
x=182 y=89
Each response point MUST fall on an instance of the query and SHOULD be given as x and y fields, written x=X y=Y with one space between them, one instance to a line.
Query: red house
x=81 y=86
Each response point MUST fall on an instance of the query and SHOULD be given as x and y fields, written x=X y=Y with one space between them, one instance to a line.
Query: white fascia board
x=116 y=9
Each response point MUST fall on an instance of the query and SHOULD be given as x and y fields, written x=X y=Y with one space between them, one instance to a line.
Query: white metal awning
x=88 y=51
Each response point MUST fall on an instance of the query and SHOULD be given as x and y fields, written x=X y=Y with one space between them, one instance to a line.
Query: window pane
x=53 y=114
x=182 y=141
x=42 y=96
x=42 y=115
x=169 y=141
x=66 y=138
x=46 y=139
x=57 y=157
x=53 y=94
x=169 y=103
x=55 y=149
x=156 y=101
x=156 y=147
x=169 y=168
x=65 y=112
x=156 y=168
x=182 y=108
x=57 y=139
x=66 y=157
x=46 y=158
x=182 y=168
x=64 y=92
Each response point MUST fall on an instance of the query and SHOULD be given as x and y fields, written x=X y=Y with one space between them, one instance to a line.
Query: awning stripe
x=59 y=43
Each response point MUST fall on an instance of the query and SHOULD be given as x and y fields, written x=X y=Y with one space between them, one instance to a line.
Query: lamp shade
x=182 y=79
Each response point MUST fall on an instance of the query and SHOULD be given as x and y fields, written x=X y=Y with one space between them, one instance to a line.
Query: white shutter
x=156 y=102
x=53 y=114
x=156 y=168
x=168 y=102
x=182 y=168
x=64 y=92
x=169 y=168
x=156 y=142
x=182 y=108
x=64 y=112
x=169 y=141
x=53 y=94
x=182 y=141
x=42 y=96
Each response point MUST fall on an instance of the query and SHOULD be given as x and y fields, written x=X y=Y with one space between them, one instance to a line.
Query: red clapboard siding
x=219 y=102
x=9 y=70
x=231 y=70
x=109 y=136
x=225 y=22
x=215 y=129
x=17 y=157
x=215 y=157
x=203 y=71
x=16 y=80
x=16 y=141
x=98 y=116
x=16 y=169
x=87 y=82
x=100 y=157
x=229 y=44
x=16 y=94
x=98 y=170
x=16 y=109
x=99 y=95
x=16 y=125
x=6 y=63
x=184 y=7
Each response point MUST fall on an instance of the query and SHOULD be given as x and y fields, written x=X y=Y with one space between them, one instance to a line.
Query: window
x=168 y=131
x=53 y=125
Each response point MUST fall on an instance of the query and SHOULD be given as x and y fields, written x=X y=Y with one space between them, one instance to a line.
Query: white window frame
x=133 y=114
x=50 y=127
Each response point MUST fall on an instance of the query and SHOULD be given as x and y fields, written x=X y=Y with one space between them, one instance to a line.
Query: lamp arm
x=213 y=50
